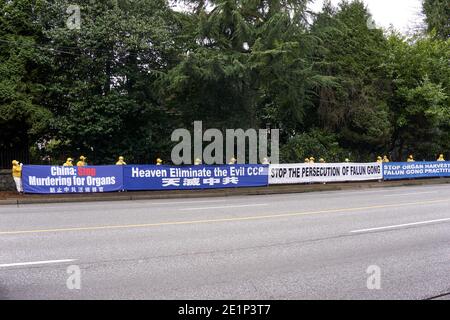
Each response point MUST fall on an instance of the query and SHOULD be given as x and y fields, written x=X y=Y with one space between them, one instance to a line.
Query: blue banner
x=146 y=177
x=58 y=179
x=410 y=170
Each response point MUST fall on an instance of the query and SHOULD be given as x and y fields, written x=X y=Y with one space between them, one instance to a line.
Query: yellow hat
x=15 y=162
x=82 y=158
x=69 y=159
x=158 y=160
x=120 y=158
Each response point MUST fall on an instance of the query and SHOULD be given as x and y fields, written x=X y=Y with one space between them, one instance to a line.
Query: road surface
x=323 y=245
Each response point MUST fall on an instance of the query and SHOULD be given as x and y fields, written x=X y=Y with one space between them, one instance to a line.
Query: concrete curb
x=176 y=194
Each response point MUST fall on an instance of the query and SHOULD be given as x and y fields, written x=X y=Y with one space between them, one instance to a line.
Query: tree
x=249 y=66
x=354 y=106
x=103 y=92
x=437 y=17
x=24 y=117
x=420 y=104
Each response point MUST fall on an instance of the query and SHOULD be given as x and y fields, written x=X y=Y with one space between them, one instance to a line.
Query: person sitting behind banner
x=197 y=162
x=379 y=159
x=441 y=158
x=68 y=163
x=385 y=159
x=82 y=162
x=232 y=161
x=265 y=161
x=312 y=160
x=17 y=175
x=306 y=160
x=410 y=158
x=158 y=162
x=120 y=162
x=347 y=160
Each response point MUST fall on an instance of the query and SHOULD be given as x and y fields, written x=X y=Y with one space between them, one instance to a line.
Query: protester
x=232 y=160
x=68 y=163
x=322 y=160
x=265 y=161
x=385 y=159
x=410 y=158
x=158 y=162
x=441 y=158
x=379 y=159
x=306 y=160
x=312 y=160
x=17 y=175
x=121 y=162
x=82 y=161
x=197 y=162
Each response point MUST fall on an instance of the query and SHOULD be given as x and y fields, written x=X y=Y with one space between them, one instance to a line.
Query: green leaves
x=136 y=69
x=437 y=17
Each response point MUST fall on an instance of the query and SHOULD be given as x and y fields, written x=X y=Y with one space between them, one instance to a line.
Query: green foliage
x=420 y=104
x=317 y=144
x=437 y=17
x=23 y=115
x=103 y=81
x=354 y=107
x=137 y=69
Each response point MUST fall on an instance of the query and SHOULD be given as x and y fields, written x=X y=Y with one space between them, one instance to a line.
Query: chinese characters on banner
x=147 y=177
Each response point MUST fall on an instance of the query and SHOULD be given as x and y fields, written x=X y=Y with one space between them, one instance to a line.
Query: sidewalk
x=12 y=198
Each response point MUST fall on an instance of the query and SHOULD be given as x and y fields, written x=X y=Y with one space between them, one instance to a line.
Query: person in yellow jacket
x=158 y=162
x=17 y=175
x=385 y=159
x=306 y=160
x=232 y=160
x=312 y=160
x=410 y=158
x=82 y=162
x=197 y=162
x=322 y=160
x=379 y=159
x=68 y=163
x=441 y=157
x=121 y=162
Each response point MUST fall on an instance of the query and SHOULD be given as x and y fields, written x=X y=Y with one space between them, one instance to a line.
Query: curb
x=176 y=194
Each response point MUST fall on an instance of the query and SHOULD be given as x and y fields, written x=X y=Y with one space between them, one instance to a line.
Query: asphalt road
x=323 y=245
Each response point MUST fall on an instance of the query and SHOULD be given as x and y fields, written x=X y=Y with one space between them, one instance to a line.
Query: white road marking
x=34 y=263
x=400 y=225
x=225 y=207
x=185 y=202
x=408 y=194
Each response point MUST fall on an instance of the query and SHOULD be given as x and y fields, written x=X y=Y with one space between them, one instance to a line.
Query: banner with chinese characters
x=323 y=172
x=58 y=179
x=410 y=170
x=151 y=177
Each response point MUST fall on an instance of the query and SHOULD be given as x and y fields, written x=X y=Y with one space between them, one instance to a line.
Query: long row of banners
x=91 y=179
x=57 y=179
